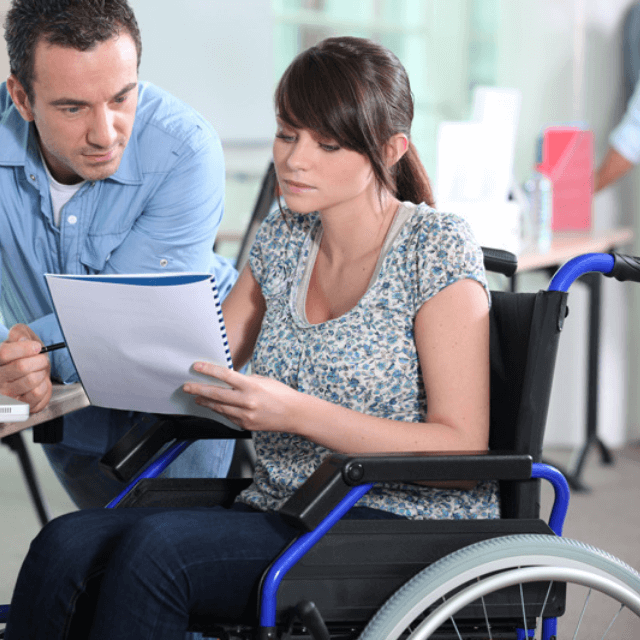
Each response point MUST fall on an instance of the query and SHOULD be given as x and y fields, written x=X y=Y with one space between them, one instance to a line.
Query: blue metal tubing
x=576 y=267
x=562 y=494
x=303 y=544
x=297 y=550
x=154 y=469
x=556 y=521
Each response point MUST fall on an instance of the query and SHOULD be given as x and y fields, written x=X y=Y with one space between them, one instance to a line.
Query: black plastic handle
x=500 y=261
x=625 y=268
x=136 y=447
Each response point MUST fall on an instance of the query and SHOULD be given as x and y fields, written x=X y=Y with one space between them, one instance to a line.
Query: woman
x=366 y=317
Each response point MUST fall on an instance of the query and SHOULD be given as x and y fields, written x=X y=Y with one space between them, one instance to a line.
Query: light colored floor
x=607 y=517
x=18 y=519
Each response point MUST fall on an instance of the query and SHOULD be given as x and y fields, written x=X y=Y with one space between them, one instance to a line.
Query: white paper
x=474 y=175
x=463 y=171
x=498 y=109
x=134 y=339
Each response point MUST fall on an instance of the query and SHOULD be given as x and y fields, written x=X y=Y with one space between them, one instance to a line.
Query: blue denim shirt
x=159 y=212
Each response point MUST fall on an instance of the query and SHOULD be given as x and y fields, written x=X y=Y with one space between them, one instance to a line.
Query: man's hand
x=25 y=373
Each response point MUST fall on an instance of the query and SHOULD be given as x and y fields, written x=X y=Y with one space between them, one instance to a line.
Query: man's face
x=84 y=106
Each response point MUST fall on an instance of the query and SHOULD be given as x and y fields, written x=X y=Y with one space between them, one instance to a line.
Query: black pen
x=53 y=347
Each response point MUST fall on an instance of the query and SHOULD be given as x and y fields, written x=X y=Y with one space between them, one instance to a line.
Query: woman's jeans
x=141 y=573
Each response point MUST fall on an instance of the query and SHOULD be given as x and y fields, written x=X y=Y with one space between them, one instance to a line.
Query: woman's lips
x=298 y=187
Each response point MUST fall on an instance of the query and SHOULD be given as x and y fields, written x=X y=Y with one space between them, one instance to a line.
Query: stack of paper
x=474 y=175
x=134 y=338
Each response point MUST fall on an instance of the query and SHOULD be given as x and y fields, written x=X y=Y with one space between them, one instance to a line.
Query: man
x=624 y=142
x=98 y=174
x=624 y=146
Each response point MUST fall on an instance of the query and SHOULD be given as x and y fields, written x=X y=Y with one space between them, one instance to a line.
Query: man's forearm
x=613 y=167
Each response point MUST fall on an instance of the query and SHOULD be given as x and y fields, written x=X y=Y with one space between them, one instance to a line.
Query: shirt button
x=164 y=262
x=32 y=177
x=72 y=219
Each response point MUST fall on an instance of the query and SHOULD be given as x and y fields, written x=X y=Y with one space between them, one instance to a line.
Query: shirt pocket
x=97 y=249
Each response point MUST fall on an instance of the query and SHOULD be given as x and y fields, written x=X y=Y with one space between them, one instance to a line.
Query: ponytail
x=412 y=181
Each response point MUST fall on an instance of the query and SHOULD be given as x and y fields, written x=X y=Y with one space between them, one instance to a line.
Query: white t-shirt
x=60 y=193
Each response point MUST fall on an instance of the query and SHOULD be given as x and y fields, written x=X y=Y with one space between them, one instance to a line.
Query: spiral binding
x=223 y=329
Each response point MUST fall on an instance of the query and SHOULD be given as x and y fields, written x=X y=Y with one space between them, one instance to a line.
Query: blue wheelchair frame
x=606 y=264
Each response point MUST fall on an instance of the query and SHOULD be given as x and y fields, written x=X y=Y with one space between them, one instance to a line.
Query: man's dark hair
x=79 y=24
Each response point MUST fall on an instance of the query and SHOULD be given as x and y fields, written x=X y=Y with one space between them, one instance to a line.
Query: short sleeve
x=625 y=138
x=276 y=249
x=447 y=252
x=266 y=245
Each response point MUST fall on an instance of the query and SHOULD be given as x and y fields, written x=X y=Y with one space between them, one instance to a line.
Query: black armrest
x=500 y=261
x=338 y=473
x=132 y=452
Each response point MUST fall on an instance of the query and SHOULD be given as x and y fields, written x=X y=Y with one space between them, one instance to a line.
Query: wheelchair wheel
x=460 y=595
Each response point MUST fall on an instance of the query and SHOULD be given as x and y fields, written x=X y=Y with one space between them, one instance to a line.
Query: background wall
x=563 y=55
x=4 y=61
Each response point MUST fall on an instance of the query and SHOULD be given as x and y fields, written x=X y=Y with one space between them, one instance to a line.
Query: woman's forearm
x=347 y=431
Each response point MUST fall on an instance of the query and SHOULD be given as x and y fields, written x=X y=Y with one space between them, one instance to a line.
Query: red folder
x=567 y=159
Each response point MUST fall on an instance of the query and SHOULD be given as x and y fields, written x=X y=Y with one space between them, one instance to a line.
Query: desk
x=65 y=399
x=564 y=247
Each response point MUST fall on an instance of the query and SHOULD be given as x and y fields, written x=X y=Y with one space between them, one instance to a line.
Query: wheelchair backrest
x=525 y=330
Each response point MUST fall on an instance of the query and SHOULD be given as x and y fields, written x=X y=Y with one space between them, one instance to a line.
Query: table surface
x=65 y=399
x=568 y=245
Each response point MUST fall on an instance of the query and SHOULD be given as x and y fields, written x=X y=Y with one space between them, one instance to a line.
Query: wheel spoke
x=524 y=613
x=612 y=621
x=584 y=608
x=544 y=606
x=486 y=617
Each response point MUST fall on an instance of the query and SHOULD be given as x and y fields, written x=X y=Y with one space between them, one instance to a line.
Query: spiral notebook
x=134 y=338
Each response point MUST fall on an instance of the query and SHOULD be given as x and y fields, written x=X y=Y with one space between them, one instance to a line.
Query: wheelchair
x=512 y=578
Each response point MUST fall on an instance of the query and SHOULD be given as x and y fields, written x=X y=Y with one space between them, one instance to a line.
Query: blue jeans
x=140 y=573
x=91 y=432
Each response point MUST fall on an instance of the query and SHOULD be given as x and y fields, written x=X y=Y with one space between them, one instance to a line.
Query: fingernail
x=187 y=388
x=198 y=366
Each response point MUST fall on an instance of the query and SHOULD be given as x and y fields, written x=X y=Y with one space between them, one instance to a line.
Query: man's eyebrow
x=72 y=102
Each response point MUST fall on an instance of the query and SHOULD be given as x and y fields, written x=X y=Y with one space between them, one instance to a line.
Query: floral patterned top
x=365 y=359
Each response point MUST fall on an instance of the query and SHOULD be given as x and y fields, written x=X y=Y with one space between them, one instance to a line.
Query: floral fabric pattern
x=366 y=359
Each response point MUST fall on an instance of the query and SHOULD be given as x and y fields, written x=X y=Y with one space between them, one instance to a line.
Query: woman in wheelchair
x=365 y=314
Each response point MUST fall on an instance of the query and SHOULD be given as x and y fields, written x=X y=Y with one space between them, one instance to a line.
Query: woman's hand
x=252 y=402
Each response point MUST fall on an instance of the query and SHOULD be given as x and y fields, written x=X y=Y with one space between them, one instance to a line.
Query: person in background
x=624 y=142
x=366 y=314
x=99 y=173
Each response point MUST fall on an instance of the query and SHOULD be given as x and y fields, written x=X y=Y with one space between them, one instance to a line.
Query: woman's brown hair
x=357 y=93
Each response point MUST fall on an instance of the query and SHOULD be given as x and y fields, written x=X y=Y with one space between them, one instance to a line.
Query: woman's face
x=316 y=174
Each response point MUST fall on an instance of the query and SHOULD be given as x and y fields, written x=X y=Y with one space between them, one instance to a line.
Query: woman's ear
x=396 y=148
x=19 y=97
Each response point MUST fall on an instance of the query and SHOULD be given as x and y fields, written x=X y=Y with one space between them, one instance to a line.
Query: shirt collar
x=14 y=138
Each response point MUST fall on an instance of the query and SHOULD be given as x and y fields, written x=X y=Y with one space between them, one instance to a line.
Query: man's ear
x=396 y=147
x=19 y=97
